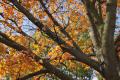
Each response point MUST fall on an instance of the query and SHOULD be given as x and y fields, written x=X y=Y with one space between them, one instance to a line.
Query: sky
x=27 y=24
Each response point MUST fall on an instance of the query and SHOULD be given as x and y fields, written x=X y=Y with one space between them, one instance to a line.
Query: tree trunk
x=111 y=61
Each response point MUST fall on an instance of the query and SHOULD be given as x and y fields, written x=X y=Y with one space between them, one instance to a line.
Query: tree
x=59 y=29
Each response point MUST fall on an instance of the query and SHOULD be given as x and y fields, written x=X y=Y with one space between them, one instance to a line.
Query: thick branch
x=56 y=72
x=57 y=24
x=93 y=11
x=79 y=55
x=117 y=46
x=94 y=33
x=33 y=74
x=5 y=40
x=93 y=29
x=108 y=42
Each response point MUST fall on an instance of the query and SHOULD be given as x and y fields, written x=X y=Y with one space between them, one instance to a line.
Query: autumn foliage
x=44 y=39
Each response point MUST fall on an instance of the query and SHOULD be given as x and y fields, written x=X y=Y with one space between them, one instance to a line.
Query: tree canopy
x=59 y=39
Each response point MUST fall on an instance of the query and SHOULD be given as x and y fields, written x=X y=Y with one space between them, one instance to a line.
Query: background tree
x=59 y=39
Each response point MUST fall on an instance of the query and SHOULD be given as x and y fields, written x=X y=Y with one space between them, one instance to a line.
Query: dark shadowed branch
x=6 y=40
x=34 y=74
x=79 y=55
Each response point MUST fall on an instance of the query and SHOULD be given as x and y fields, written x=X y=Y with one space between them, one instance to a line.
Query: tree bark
x=111 y=62
x=6 y=40
x=75 y=52
x=112 y=67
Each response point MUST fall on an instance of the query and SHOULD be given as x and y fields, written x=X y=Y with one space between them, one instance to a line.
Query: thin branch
x=18 y=30
x=80 y=56
x=6 y=40
x=57 y=24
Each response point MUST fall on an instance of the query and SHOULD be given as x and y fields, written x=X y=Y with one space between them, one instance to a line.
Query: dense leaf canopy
x=59 y=39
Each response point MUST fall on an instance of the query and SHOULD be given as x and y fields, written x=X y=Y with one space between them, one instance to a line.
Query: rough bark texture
x=111 y=61
x=77 y=53
x=110 y=67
